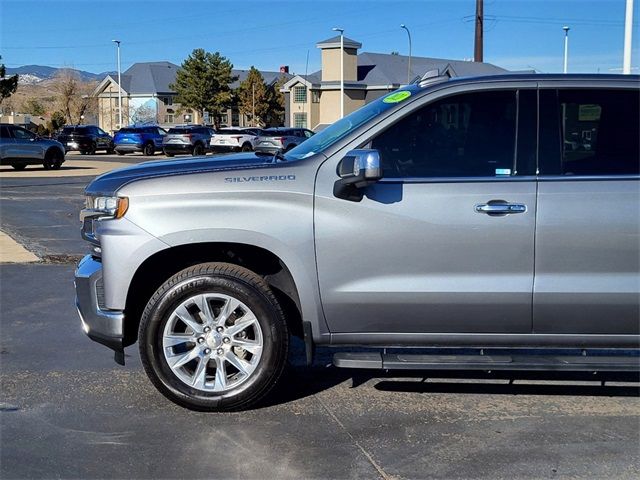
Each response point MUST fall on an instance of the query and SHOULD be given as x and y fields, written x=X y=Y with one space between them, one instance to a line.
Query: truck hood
x=110 y=182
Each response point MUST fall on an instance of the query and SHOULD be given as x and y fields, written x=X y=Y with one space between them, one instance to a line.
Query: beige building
x=313 y=101
x=148 y=98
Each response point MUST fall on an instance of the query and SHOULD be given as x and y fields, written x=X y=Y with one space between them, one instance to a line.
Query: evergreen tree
x=275 y=98
x=202 y=83
x=7 y=85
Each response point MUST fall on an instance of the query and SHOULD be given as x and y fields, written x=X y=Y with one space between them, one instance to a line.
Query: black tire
x=83 y=152
x=110 y=151
x=246 y=147
x=92 y=149
x=53 y=159
x=149 y=149
x=19 y=166
x=168 y=154
x=197 y=150
x=227 y=279
x=289 y=147
x=119 y=152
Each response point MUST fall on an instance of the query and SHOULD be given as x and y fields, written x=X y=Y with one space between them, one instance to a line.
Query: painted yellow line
x=12 y=252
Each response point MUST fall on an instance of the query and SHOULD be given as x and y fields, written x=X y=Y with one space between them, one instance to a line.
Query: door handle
x=499 y=208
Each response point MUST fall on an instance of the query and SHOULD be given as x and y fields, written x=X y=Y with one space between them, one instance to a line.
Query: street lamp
x=117 y=42
x=566 y=47
x=409 y=68
x=341 y=30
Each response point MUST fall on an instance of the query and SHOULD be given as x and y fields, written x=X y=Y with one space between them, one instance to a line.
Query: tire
x=119 y=152
x=53 y=159
x=167 y=154
x=109 y=151
x=222 y=283
x=92 y=150
x=148 y=150
x=246 y=147
x=197 y=150
x=19 y=166
x=289 y=147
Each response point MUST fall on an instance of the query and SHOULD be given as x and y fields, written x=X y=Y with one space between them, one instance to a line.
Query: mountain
x=32 y=74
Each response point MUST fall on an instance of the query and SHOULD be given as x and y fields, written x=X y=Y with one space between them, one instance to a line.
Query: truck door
x=444 y=243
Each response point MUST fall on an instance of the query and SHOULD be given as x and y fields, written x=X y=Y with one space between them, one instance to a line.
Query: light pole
x=409 y=68
x=628 y=24
x=566 y=48
x=341 y=30
x=117 y=42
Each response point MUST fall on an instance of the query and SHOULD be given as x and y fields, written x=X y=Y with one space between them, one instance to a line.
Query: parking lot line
x=12 y=252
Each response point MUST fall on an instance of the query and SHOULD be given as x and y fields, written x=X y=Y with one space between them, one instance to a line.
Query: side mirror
x=358 y=169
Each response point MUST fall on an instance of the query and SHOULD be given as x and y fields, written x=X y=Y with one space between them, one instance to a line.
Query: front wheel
x=149 y=150
x=19 y=166
x=213 y=337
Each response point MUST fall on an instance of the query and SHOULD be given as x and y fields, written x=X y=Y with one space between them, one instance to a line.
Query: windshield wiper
x=279 y=156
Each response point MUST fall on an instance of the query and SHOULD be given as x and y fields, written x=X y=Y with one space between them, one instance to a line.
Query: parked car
x=447 y=214
x=87 y=139
x=188 y=139
x=275 y=140
x=146 y=139
x=19 y=147
x=235 y=139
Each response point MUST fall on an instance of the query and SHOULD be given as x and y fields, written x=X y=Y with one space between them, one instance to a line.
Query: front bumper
x=77 y=146
x=101 y=325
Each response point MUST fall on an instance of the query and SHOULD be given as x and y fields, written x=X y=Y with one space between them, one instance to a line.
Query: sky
x=519 y=34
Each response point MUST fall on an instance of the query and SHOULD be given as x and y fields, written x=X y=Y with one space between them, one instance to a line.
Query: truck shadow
x=301 y=382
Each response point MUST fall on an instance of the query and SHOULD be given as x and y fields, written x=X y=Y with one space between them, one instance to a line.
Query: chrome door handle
x=500 y=208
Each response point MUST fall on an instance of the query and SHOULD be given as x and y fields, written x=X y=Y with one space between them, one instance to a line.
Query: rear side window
x=467 y=135
x=127 y=130
x=599 y=132
x=4 y=132
x=179 y=131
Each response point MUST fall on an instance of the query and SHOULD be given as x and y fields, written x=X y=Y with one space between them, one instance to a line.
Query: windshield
x=343 y=127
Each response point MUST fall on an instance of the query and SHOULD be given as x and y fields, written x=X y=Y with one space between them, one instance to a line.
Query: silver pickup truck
x=480 y=223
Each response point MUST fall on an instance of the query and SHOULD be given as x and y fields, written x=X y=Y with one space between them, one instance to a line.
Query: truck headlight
x=105 y=207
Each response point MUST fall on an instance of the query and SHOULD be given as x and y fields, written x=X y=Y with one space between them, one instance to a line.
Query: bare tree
x=74 y=96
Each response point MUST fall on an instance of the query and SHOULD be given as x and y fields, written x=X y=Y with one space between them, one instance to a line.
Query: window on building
x=315 y=96
x=168 y=118
x=599 y=132
x=167 y=100
x=300 y=120
x=467 y=135
x=300 y=94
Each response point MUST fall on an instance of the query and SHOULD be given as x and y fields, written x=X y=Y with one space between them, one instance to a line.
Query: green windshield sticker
x=397 y=97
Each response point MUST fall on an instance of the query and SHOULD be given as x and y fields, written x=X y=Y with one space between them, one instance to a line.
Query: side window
x=4 y=132
x=467 y=135
x=22 y=134
x=599 y=131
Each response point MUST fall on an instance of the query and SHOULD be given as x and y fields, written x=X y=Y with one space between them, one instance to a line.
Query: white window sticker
x=503 y=171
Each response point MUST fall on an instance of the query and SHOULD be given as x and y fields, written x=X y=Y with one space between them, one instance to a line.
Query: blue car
x=145 y=139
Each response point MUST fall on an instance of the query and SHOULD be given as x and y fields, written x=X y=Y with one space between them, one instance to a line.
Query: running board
x=576 y=363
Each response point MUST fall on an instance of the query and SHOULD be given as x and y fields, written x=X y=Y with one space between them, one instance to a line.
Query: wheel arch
x=156 y=269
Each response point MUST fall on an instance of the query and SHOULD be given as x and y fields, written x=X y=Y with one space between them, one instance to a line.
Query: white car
x=235 y=139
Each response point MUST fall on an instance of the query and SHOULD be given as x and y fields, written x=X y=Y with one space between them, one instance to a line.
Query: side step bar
x=401 y=361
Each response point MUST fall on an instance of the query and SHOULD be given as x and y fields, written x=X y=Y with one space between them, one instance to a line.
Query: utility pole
x=478 y=46
x=117 y=42
x=566 y=49
x=253 y=103
x=628 y=24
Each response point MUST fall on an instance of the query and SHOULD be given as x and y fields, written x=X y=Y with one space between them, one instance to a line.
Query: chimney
x=284 y=68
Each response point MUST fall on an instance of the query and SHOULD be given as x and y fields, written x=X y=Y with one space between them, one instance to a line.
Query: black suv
x=87 y=139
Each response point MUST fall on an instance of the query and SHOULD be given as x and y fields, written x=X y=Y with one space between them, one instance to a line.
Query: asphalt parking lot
x=68 y=411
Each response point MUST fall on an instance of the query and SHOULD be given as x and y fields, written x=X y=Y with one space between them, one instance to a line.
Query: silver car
x=19 y=147
x=448 y=219
x=189 y=139
x=278 y=140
